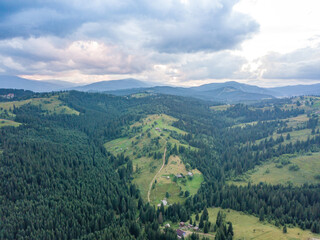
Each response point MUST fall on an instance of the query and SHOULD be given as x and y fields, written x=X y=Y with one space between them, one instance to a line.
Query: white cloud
x=285 y=25
x=166 y=25
x=300 y=64
x=50 y=55
x=219 y=65
x=169 y=41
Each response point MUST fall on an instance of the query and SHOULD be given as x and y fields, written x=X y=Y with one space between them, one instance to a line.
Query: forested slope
x=57 y=181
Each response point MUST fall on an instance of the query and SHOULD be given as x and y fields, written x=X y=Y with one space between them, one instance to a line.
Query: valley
x=159 y=120
x=151 y=160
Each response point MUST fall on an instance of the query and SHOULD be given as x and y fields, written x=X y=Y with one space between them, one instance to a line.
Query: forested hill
x=58 y=181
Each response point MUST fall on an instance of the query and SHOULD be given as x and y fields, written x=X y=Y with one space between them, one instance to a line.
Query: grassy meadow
x=166 y=182
x=220 y=107
x=7 y=123
x=274 y=172
x=249 y=227
x=52 y=105
x=150 y=135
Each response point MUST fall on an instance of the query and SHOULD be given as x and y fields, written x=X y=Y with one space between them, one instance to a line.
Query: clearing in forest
x=144 y=144
x=249 y=227
x=141 y=95
x=173 y=182
x=286 y=169
x=6 y=123
x=220 y=107
x=51 y=104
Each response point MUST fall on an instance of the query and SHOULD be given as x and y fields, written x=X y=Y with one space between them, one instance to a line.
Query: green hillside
x=6 y=123
x=249 y=227
x=102 y=174
x=296 y=170
x=51 y=105
x=167 y=182
x=145 y=143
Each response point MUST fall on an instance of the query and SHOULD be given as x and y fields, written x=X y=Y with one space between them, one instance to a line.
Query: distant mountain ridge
x=233 y=84
x=226 y=92
x=26 y=84
x=222 y=94
x=113 y=85
x=297 y=90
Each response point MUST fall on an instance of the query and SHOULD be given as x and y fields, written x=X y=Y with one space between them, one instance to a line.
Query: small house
x=164 y=202
x=190 y=174
x=167 y=225
x=179 y=176
x=158 y=129
x=196 y=228
x=181 y=233
x=182 y=224
x=10 y=96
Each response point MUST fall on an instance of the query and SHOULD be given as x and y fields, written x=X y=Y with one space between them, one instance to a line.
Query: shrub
x=294 y=167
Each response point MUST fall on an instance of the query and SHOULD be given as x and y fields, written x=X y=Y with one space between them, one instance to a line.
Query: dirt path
x=154 y=178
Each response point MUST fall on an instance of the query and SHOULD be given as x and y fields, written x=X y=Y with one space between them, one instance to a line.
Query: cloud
x=170 y=26
x=109 y=37
x=197 y=67
x=300 y=64
x=204 y=26
x=50 y=55
x=214 y=66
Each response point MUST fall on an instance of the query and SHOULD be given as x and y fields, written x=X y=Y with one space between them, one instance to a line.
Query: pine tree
x=288 y=136
x=187 y=193
x=197 y=216
x=261 y=215
x=201 y=223
x=230 y=229
x=219 y=219
x=205 y=214
x=206 y=228
x=315 y=227
x=285 y=229
x=160 y=218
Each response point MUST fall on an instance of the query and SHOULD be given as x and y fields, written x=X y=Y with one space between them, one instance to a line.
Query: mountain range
x=113 y=85
x=224 y=92
x=32 y=85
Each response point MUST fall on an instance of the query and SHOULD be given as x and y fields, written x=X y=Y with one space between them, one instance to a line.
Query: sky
x=172 y=42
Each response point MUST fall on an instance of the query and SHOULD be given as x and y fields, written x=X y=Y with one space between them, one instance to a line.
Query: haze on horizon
x=174 y=42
